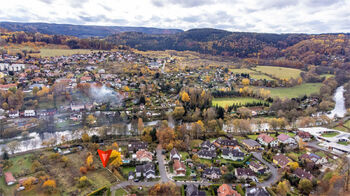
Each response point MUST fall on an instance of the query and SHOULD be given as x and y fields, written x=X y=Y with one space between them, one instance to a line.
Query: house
x=225 y=143
x=305 y=136
x=14 y=114
x=136 y=146
x=244 y=173
x=314 y=158
x=212 y=173
x=256 y=191
x=179 y=168
x=10 y=180
x=266 y=140
x=147 y=171
x=281 y=160
x=174 y=155
x=192 y=190
x=226 y=190
x=285 y=139
x=257 y=167
x=206 y=145
x=207 y=154
x=6 y=87
x=300 y=173
x=251 y=144
x=131 y=175
x=78 y=107
x=29 y=113
x=232 y=154
x=144 y=156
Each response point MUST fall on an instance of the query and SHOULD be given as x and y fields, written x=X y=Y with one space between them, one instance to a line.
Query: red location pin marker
x=104 y=156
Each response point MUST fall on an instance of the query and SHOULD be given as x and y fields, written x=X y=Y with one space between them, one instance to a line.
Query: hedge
x=99 y=191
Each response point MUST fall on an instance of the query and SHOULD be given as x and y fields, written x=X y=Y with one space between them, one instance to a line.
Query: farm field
x=45 y=52
x=253 y=74
x=296 y=91
x=232 y=101
x=279 y=72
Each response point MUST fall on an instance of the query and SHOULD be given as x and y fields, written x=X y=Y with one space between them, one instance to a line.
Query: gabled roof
x=251 y=143
x=281 y=159
x=244 y=172
x=302 y=173
x=207 y=153
x=178 y=165
x=283 y=137
x=226 y=190
x=212 y=170
x=9 y=177
x=235 y=153
x=266 y=138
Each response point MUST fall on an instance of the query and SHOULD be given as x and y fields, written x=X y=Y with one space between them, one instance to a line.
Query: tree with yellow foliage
x=85 y=137
x=91 y=120
x=49 y=186
x=185 y=98
x=126 y=88
x=293 y=165
x=89 y=161
x=245 y=81
x=115 y=145
x=27 y=183
x=115 y=159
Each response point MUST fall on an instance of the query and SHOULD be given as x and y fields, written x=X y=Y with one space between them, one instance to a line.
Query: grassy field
x=347 y=124
x=331 y=134
x=327 y=75
x=279 y=72
x=296 y=91
x=231 y=101
x=120 y=192
x=20 y=163
x=253 y=74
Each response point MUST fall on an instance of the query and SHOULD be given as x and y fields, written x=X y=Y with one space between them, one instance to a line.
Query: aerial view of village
x=116 y=110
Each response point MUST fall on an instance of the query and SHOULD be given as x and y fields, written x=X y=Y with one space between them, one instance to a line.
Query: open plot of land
x=232 y=101
x=296 y=91
x=253 y=74
x=44 y=52
x=279 y=72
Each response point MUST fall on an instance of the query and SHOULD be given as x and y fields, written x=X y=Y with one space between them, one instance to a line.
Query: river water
x=339 y=99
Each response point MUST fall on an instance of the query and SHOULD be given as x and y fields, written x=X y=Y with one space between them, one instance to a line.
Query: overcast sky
x=275 y=16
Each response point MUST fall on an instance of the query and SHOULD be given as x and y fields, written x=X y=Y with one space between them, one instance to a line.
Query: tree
x=89 y=161
x=115 y=146
x=283 y=187
x=85 y=137
x=245 y=81
x=83 y=170
x=49 y=185
x=305 y=186
x=140 y=125
x=184 y=97
x=178 y=112
x=163 y=189
x=116 y=159
x=13 y=146
x=195 y=158
x=83 y=181
x=165 y=135
x=91 y=120
x=5 y=155
x=244 y=112
x=293 y=165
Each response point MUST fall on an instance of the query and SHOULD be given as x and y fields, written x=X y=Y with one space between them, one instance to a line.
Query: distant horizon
x=260 y=16
x=183 y=30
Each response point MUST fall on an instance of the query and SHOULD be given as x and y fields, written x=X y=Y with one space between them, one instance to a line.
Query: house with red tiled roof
x=266 y=140
x=305 y=136
x=9 y=179
x=226 y=190
x=144 y=156
x=285 y=139
x=179 y=168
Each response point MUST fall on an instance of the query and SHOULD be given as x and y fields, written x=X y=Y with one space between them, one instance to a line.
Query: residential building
x=244 y=173
x=281 y=160
x=285 y=139
x=144 y=156
x=257 y=167
x=179 y=168
x=136 y=146
x=226 y=190
x=232 y=154
x=225 y=143
x=9 y=179
x=174 y=155
x=256 y=191
x=266 y=140
x=14 y=114
x=251 y=144
x=192 y=190
x=29 y=113
x=207 y=154
x=301 y=173
x=305 y=136
x=212 y=173
x=207 y=145
x=147 y=171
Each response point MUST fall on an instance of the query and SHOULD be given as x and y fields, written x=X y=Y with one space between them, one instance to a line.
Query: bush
x=239 y=189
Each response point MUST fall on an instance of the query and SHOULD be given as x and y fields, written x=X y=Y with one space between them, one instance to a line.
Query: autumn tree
x=85 y=137
x=49 y=186
x=91 y=120
x=166 y=136
x=163 y=189
x=89 y=161
x=305 y=186
x=245 y=82
x=178 y=112
x=115 y=159
x=185 y=97
x=140 y=125
x=83 y=170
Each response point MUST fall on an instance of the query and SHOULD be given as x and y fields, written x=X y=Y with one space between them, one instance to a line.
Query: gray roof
x=235 y=153
x=251 y=142
x=256 y=192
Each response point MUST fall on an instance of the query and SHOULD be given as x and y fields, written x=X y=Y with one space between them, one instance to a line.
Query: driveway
x=162 y=170
x=274 y=178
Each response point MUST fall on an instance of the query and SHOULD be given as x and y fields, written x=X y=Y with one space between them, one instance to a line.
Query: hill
x=81 y=31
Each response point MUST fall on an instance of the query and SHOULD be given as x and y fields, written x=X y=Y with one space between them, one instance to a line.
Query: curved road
x=164 y=176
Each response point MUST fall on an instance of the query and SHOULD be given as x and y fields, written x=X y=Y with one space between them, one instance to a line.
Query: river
x=339 y=99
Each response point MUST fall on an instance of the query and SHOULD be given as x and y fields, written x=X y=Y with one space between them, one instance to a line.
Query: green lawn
x=232 y=101
x=279 y=72
x=20 y=163
x=120 y=192
x=343 y=143
x=331 y=134
x=184 y=155
x=253 y=74
x=347 y=124
x=126 y=170
x=253 y=137
x=296 y=91
x=327 y=75
x=320 y=153
x=203 y=161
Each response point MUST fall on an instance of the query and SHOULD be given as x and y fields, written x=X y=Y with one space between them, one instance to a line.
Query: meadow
x=296 y=91
x=279 y=72
x=236 y=100
x=253 y=74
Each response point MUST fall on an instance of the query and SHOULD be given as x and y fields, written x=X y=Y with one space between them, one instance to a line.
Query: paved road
x=164 y=177
x=274 y=178
x=162 y=170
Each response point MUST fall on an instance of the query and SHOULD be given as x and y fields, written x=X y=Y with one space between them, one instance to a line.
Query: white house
x=29 y=113
x=14 y=114
x=232 y=154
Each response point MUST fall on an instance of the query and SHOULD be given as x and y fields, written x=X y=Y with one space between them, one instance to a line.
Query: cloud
x=272 y=16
